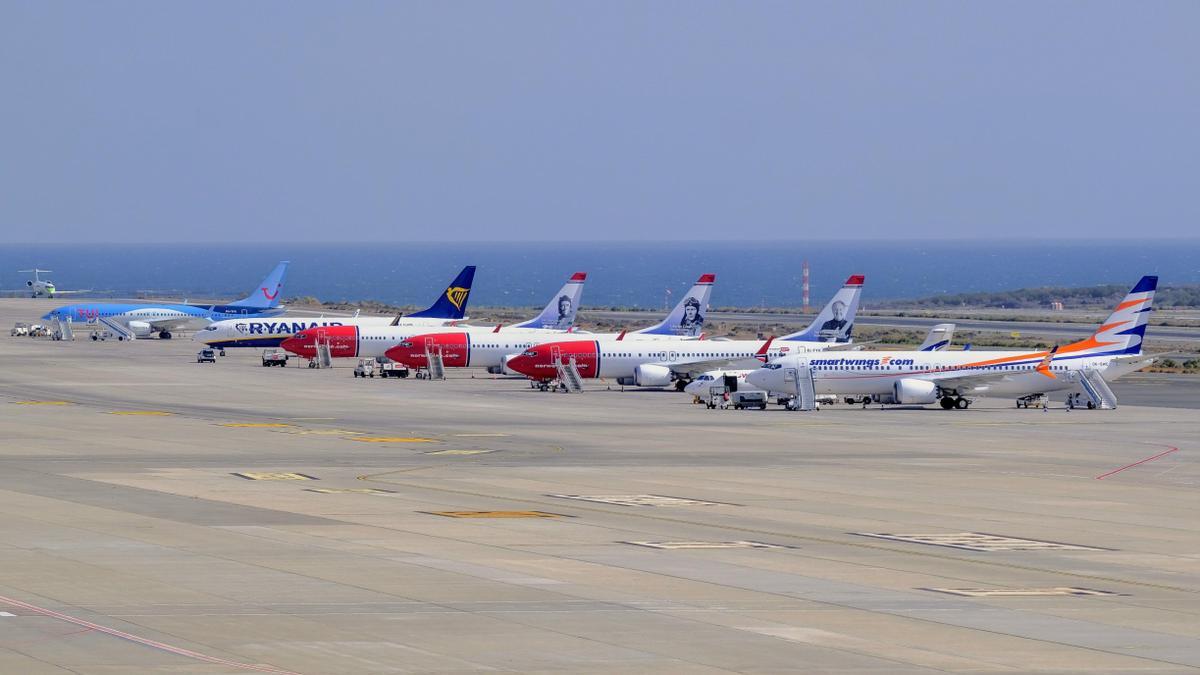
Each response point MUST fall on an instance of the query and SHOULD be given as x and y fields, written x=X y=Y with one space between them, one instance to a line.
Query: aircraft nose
x=758 y=378
x=523 y=364
x=407 y=354
x=294 y=345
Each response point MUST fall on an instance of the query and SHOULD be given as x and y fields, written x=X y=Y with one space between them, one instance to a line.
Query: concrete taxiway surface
x=159 y=515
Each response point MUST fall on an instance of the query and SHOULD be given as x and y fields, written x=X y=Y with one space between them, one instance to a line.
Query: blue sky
x=223 y=121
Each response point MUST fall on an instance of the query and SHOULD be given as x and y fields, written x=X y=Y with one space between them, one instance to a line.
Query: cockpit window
x=531 y=352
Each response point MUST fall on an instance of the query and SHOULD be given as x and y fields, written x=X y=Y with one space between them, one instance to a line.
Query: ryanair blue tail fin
x=835 y=323
x=267 y=294
x=560 y=313
x=452 y=304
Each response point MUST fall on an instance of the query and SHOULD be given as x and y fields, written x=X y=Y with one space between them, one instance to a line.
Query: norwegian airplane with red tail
x=372 y=341
x=482 y=348
x=665 y=364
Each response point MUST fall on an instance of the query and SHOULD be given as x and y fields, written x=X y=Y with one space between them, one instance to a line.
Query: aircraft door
x=555 y=355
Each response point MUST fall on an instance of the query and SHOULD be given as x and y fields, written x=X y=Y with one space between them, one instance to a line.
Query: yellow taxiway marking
x=256 y=425
x=459 y=452
x=355 y=491
x=494 y=514
x=392 y=439
x=324 y=432
x=42 y=402
x=268 y=475
x=151 y=413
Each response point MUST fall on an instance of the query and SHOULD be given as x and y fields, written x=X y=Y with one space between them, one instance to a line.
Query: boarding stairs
x=122 y=331
x=1097 y=389
x=437 y=367
x=802 y=385
x=568 y=375
x=63 y=330
x=324 y=353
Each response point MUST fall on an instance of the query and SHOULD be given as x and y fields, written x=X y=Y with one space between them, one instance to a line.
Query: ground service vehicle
x=206 y=356
x=741 y=400
x=274 y=357
x=390 y=368
x=365 y=368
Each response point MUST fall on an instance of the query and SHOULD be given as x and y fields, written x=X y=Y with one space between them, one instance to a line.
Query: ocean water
x=755 y=273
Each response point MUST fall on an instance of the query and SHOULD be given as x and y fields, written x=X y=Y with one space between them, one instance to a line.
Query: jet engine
x=141 y=328
x=504 y=369
x=649 y=375
x=910 y=391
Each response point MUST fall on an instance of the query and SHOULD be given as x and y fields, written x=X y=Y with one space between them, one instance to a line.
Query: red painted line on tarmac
x=1142 y=461
x=145 y=641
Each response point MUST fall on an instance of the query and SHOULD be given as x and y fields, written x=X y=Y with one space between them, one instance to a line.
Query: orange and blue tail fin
x=1123 y=331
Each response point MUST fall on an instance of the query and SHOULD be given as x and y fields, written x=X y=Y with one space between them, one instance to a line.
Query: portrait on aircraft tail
x=837 y=327
x=693 y=321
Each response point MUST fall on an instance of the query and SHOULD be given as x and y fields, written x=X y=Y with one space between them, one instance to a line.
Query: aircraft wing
x=975 y=382
x=85 y=290
x=170 y=324
x=691 y=369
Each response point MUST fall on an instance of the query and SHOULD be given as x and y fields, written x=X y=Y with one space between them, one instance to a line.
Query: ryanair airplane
x=449 y=308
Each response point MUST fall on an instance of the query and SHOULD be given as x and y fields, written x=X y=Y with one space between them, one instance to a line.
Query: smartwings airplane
x=450 y=306
x=146 y=319
x=948 y=378
x=938 y=338
x=677 y=363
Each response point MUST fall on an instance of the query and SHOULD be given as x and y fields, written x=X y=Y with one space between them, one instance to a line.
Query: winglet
x=761 y=354
x=497 y=328
x=622 y=335
x=396 y=321
x=1044 y=366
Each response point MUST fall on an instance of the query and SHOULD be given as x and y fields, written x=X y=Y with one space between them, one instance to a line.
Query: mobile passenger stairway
x=569 y=377
x=800 y=382
x=436 y=366
x=1097 y=389
x=122 y=331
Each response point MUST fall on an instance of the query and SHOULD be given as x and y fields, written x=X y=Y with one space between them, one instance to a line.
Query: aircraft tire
x=961 y=403
x=947 y=403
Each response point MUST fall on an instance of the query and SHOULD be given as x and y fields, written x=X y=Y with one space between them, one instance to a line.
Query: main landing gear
x=955 y=403
x=164 y=335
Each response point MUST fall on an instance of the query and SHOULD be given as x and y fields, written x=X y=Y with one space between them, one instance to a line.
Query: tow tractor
x=1032 y=401
x=274 y=357
x=365 y=368
x=20 y=329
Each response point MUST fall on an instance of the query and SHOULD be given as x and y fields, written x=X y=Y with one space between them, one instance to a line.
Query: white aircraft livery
x=949 y=378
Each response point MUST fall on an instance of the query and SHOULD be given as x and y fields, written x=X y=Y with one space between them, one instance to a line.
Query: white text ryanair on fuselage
x=280 y=327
